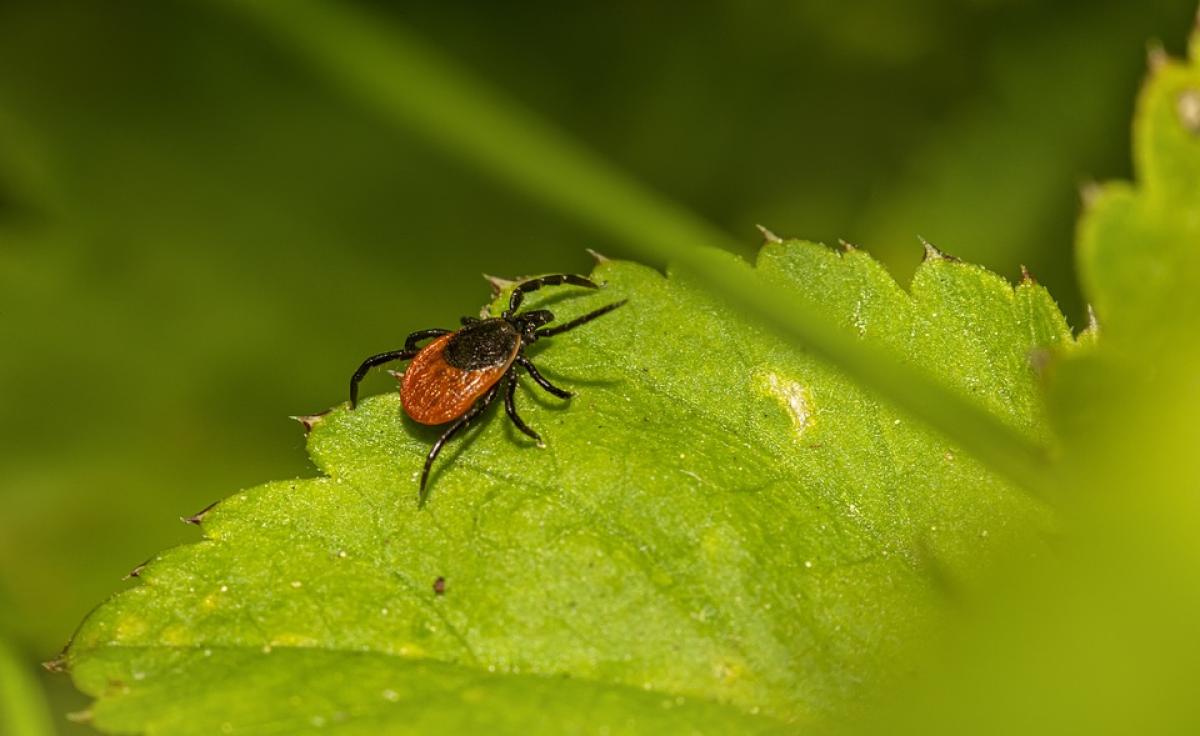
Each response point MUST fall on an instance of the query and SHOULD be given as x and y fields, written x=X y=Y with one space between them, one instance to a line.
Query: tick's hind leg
x=459 y=424
x=541 y=380
x=410 y=351
x=511 y=408
x=370 y=363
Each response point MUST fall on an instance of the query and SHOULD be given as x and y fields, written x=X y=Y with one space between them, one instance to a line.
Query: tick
x=452 y=379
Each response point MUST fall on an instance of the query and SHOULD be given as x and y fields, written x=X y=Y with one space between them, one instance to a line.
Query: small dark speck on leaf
x=439 y=585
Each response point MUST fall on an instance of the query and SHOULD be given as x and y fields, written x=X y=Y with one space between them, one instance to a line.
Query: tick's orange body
x=435 y=392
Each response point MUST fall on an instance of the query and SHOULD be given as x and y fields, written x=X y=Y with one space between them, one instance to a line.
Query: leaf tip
x=1027 y=276
x=308 y=421
x=847 y=247
x=1093 y=325
x=198 y=518
x=933 y=253
x=768 y=236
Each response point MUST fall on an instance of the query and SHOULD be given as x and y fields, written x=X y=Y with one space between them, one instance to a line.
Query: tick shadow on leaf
x=573 y=383
x=579 y=376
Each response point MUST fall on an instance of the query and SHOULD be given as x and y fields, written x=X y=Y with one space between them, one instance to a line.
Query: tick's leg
x=410 y=351
x=410 y=342
x=370 y=363
x=559 y=329
x=555 y=279
x=460 y=424
x=511 y=407
x=541 y=380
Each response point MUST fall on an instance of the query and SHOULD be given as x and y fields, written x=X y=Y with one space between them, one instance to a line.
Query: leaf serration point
x=197 y=518
x=308 y=421
x=1156 y=56
x=768 y=236
x=57 y=665
x=498 y=283
x=597 y=256
x=933 y=253
x=136 y=572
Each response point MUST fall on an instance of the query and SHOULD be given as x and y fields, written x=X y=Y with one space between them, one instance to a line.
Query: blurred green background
x=200 y=237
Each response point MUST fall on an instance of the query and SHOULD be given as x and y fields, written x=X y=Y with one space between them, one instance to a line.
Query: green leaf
x=722 y=533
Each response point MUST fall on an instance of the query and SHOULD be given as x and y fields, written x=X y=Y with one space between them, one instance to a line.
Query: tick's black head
x=527 y=322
